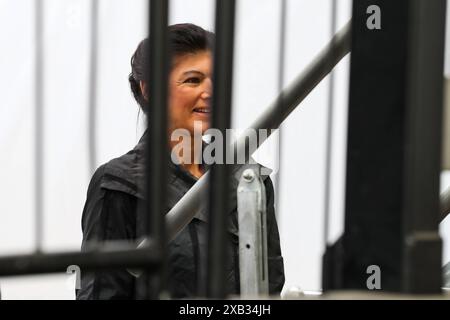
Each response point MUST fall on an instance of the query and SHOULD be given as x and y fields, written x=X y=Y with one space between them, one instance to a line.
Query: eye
x=192 y=80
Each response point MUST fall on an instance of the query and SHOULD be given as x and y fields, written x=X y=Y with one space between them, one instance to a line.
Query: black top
x=110 y=213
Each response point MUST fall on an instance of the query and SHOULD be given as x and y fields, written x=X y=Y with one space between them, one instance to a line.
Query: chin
x=205 y=125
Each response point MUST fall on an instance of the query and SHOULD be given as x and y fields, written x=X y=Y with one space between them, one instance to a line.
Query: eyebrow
x=193 y=71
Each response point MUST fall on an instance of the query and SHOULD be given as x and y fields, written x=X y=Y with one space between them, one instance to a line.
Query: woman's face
x=190 y=86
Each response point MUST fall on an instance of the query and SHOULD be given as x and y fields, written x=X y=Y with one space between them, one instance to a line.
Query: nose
x=207 y=89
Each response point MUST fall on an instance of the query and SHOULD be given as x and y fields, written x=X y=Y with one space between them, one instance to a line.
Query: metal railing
x=160 y=230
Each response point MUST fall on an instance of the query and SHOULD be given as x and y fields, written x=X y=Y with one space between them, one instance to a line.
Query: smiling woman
x=190 y=83
x=117 y=188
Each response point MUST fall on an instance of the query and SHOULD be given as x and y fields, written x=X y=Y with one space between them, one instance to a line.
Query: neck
x=191 y=161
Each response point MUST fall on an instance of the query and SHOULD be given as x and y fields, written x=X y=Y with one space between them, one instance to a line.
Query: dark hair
x=184 y=38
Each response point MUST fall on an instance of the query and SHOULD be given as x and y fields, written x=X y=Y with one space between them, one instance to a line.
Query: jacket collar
x=127 y=174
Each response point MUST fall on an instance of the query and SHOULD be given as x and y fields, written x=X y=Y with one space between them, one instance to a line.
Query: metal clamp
x=251 y=205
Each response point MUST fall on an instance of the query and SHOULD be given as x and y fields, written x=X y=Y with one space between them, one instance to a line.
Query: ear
x=143 y=87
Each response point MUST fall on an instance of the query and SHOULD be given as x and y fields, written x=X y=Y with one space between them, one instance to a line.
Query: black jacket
x=113 y=196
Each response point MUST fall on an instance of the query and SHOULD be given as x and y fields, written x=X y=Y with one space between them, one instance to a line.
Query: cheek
x=176 y=109
x=181 y=103
x=182 y=100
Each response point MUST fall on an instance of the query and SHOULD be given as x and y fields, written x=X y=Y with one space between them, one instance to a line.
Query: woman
x=115 y=190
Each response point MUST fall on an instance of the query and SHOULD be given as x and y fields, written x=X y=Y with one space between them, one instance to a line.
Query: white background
x=122 y=25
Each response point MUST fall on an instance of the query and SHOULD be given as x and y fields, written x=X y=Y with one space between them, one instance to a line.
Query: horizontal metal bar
x=111 y=255
x=183 y=212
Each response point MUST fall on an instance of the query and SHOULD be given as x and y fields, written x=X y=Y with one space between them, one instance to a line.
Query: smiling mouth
x=202 y=110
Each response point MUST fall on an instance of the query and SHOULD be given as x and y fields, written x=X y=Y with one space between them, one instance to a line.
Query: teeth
x=202 y=110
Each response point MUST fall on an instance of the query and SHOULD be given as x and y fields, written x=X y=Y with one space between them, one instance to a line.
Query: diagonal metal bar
x=183 y=212
x=444 y=204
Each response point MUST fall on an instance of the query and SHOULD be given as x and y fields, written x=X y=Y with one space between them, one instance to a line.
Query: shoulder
x=107 y=209
x=124 y=174
x=96 y=179
x=111 y=188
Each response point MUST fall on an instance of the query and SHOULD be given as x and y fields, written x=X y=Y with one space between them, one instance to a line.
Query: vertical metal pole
x=281 y=66
x=446 y=129
x=329 y=143
x=92 y=113
x=327 y=268
x=39 y=122
x=157 y=146
x=374 y=179
x=221 y=120
x=393 y=149
x=423 y=137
